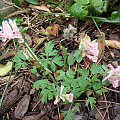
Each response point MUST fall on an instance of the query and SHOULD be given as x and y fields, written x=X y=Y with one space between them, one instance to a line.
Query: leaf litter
x=21 y=105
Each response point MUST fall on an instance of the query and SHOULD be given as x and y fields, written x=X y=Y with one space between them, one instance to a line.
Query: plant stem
x=34 y=56
x=1 y=100
x=96 y=24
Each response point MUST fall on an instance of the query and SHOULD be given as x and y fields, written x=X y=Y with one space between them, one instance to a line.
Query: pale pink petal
x=92 y=51
x=62 y=97
x=56 y=100
x=93 y=58
x=113 y=76
x=114 y=82
x=69 y=97
x=16 y=32
x=61 y=89
x=9 y=30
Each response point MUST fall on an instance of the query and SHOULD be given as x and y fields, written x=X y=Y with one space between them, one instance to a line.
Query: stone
x=6 y=7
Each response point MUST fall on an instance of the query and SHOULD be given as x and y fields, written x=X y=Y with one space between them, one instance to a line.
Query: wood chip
x=42 y=7
x=22 y=107
x=113 y=44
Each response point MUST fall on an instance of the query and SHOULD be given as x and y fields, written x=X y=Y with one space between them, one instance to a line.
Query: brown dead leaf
x=113 y=44
x=58 y=0
x=54 y=30
x=39 y=41
x=101 y=45
x=42 y=7
x=10 y=97
x=17 y=13
x=58 y=10
x=22 y=107
x=34 y=117
x=9 y=100
x=62 y=116
x=5 y=79
x=100 y=115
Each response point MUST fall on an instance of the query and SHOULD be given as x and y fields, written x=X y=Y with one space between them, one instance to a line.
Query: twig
x=99 y=112
x=100 y=102
x=96 y=25
x=106 y=108
x=39 y=118
x=11 y=4
x=17 y=13
x=1 y=100
x=112 y=90
x=36 y=105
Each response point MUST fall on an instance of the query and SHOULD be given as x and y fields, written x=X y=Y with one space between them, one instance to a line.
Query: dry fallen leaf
x=22 y=107
x=113 y=44
x=5 y=69
x=5 y=79
x=39 y=41
x=42 y=7
x=101 y=46
x=54 y=30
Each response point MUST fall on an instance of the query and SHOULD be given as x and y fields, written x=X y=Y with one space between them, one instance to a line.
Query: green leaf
x=19 y=21
x=95 y=69
x=70 y=74
x=97 y=86
x=44 y=96
x=84 y=2
x=102 y=90
x=91 y=101
x=78 y=11
x=61 y=76
x=53 y=87
x=115 y=15
x=50 y=95
x=70 y=59
x=35 y=2
x=41 y=83
x=57 y=60
x=17 y=2
x=78 y=56
x=5 y=69
x=104 y=67
x=34 y=71
x=53 y=67
x=105 y=5
x=49 y=49
x=96 y=6
x=76 y=92
x=17 y=59
x=84 y=72
x=69 y=115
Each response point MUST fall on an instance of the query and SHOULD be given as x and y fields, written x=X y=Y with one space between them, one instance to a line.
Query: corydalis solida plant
x=113 y=76
x=62 y=96
x=91 y=48
x=9 y=30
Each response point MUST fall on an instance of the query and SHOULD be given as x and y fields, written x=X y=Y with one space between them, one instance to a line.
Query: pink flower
x=113 y=76
x=9 y=30
x=92 y=50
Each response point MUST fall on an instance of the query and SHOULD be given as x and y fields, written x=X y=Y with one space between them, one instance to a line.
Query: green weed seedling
x=77 y=82
x=63 y=72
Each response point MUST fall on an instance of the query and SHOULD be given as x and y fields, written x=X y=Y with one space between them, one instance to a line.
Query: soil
x=23 y=102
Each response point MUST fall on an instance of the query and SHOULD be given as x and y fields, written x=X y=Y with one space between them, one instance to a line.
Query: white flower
x=64 y=97
x=69 y=97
